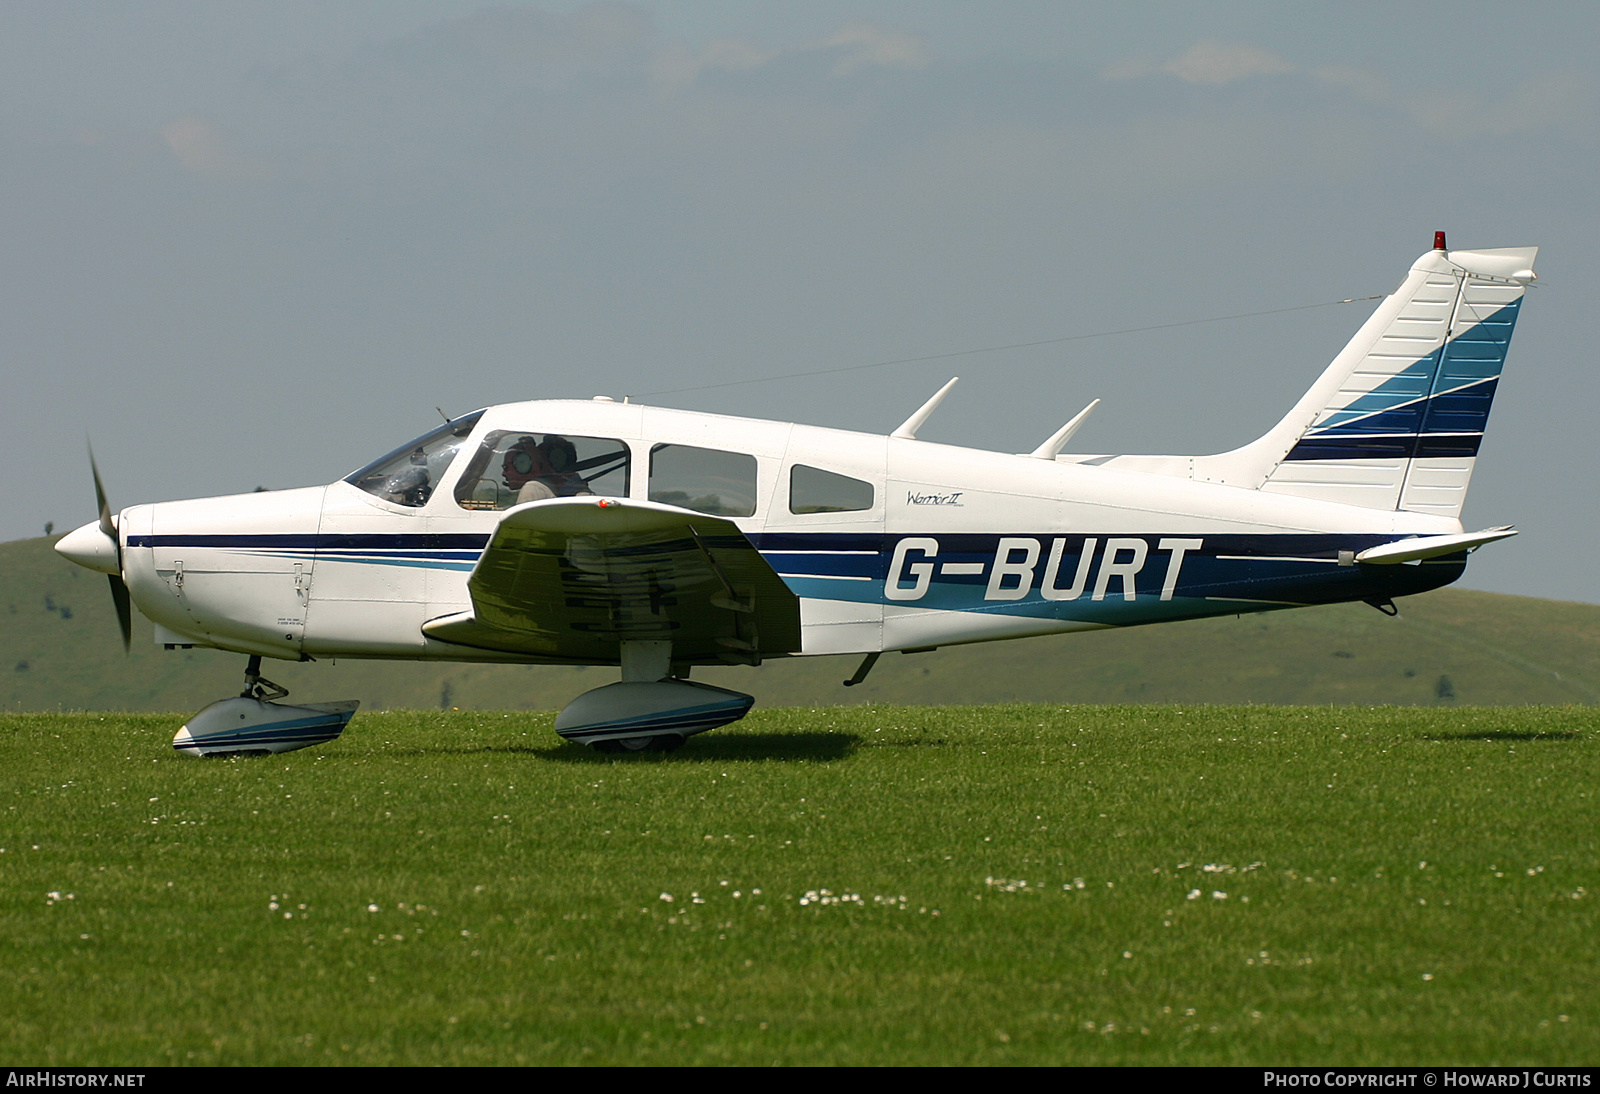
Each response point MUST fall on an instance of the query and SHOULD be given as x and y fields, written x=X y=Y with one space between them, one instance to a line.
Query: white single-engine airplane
x=605 y=533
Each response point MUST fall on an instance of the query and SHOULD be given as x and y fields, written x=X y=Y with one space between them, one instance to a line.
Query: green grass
x=992 y=885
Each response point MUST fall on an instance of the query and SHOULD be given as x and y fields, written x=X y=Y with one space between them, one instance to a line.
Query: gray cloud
x=1217 y=63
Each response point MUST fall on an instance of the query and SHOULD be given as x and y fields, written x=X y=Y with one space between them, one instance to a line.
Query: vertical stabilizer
x=1395 y=421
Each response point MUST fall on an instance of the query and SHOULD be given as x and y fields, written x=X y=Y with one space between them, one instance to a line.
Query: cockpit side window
x=707 y=480
x=511 y=467
x=407 y=476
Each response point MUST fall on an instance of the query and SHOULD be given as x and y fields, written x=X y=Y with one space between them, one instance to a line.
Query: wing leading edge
x=570 y=579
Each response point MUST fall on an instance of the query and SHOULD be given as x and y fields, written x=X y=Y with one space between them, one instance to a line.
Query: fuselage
x=889 y=543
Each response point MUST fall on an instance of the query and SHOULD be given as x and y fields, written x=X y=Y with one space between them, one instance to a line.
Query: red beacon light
x=1438 y=242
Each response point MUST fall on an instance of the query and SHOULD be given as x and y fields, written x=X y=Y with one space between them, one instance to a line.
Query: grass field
x=980 y=885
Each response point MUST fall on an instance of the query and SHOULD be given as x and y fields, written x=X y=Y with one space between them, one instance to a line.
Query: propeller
x=119 y=588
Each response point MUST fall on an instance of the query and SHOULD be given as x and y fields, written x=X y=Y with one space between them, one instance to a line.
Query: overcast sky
x=258 y=243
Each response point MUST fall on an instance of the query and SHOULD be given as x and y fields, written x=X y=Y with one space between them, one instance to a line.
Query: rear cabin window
x=707 y=480
x=813 y=490
x=511 y=467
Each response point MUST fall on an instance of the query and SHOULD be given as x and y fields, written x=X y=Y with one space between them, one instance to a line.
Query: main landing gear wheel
x=667 y=742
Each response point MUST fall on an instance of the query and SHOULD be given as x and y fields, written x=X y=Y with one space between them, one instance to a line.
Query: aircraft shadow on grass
x=786 y=747
x=1507 y=735
x=780 y=747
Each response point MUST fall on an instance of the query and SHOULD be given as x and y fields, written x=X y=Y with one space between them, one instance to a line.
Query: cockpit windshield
x=407 y=476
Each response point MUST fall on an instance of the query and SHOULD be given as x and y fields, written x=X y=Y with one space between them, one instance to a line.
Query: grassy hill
x=59 y=651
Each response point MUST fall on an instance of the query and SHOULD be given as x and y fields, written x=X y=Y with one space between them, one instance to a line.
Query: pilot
x=537 y=471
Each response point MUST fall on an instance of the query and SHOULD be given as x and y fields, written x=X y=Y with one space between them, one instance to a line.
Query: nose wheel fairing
x=245 y=725
x=253 y=723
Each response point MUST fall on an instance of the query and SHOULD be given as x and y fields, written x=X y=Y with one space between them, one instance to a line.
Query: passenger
x=562 y=456
x=540 y=471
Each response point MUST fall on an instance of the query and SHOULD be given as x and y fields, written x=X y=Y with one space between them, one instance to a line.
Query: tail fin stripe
x=1448 y=424
x=1413 y=412
x=1475 y=356
x=1391 y=446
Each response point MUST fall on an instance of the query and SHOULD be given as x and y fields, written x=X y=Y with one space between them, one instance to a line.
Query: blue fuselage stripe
x=1140 y=578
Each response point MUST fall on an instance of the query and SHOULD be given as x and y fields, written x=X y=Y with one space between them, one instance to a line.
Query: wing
x=570 y=579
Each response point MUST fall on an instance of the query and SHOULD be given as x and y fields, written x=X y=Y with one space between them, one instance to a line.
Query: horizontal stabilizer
x=1420 y=547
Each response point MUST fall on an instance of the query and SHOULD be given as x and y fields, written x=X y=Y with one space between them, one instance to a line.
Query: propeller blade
x=106 y=524
x=100 y=496
x=119 y=588
x=119 y=596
